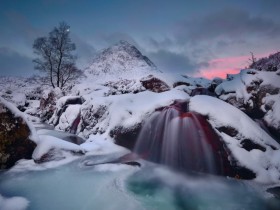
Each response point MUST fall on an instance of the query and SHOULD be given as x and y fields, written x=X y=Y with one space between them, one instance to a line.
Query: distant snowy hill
x=270 y=63
x=120 y=60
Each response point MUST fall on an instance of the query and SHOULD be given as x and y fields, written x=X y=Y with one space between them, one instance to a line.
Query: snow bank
x=221 y=114
x=46 y=143
x=247 y=78
x=266 y=164
x=125 y=110
x=98 y=144
x=13 y=203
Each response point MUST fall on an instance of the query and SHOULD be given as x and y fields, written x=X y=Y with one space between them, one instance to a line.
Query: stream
x=99 y=182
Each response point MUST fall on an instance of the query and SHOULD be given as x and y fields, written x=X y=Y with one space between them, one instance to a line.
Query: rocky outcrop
x=247 y=91
x=14 y=137
x=123 y=86
x=154 y=84
x=48 y=102
x=270 y=63
x=126 y=137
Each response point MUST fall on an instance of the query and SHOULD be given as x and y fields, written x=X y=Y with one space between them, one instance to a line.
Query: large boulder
x=48 y=103
x=15 y=143
x=252 y=151
x=154 y=84
x=248 y=89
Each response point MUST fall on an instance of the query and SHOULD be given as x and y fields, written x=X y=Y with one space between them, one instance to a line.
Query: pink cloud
x=222 y=66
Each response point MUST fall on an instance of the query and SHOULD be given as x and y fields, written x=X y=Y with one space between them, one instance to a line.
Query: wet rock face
x=154 y=84
x=47 y=106
x=14 y=142
x=126 y=137
x=203 y=91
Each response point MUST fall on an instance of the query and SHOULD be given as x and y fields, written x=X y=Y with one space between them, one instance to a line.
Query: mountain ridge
x=119 y=59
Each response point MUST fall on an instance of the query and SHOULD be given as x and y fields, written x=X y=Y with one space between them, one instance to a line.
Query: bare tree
x=252 y=60
x=55 y=56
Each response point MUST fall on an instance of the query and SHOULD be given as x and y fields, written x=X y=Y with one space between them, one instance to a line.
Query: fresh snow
x=120 y=60
x=272 y=117
x=266 y=164
x=239 y=83
x=126 y=110
x=46 y=143
x=99 y=145
x=68 y=117
x=13 y=203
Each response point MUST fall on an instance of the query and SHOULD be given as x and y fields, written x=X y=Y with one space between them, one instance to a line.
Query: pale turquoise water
x=76 y=186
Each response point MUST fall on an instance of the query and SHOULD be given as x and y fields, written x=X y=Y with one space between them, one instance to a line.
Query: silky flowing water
x=183 y=141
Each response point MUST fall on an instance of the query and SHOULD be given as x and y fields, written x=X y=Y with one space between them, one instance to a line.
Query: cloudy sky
x=193 y=37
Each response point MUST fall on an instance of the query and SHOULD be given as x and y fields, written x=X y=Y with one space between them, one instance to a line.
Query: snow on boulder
x=272 y=116
x=105 y=114
x=247 y=89
x=123 y=86
x=61 y=106
x=17 y=135
x=70 y=119
x=48 y=102
x=154 y=84
x=51 y=148
x=250 y=146
x=18 y=99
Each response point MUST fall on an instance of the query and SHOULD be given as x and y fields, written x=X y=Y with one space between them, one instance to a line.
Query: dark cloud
x=20 y=28
x=113 y=38
x=226 y=24
x=85 y=51
x=14 y=64
x=173 y=62
x=160 y=44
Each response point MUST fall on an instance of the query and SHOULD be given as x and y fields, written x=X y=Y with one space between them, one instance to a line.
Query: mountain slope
x=121 y=60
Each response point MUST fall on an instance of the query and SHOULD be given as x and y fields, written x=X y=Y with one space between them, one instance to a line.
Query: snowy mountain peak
x=121 y=60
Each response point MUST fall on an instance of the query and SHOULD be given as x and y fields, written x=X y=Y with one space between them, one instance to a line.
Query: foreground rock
x=249 y=146
x=15 y=143
x=257 y=93
x=48 y=102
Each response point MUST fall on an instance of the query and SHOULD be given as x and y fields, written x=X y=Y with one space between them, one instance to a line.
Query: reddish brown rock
x=14 y=138
x=154 y=84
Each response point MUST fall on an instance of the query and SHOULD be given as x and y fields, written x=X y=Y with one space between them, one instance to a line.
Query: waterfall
x=181 y=140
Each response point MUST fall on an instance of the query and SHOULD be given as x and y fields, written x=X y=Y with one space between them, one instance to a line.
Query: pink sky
x=222 y=66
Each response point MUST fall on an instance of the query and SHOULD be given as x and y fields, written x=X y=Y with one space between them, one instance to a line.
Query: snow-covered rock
x=48 y=102
x=270 y=63
x=16 y=135
x=254 y=92
x=271 y=104
x=61 y=106
x=21 y=91
x=104 y=114
x=154 y=84
x=52 y=148
x=249 y=145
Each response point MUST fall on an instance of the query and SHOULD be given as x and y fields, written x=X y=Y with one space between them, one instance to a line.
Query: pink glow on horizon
x=222 y=66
